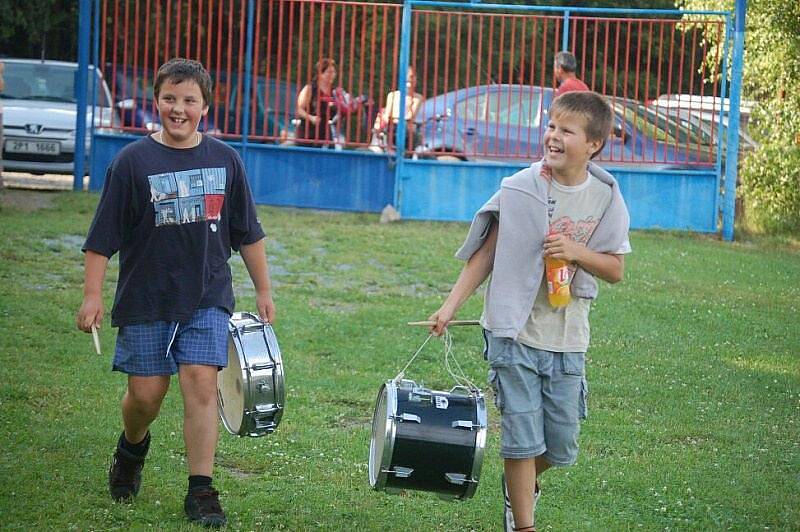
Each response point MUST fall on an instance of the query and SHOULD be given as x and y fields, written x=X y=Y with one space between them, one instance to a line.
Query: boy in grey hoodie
x=564 y=207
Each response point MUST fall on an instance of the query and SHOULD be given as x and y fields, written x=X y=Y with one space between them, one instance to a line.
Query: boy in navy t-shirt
x=174 y=205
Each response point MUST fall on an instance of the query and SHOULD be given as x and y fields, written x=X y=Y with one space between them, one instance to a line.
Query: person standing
x=565 y=67
x=562 y=207
x=174 y=205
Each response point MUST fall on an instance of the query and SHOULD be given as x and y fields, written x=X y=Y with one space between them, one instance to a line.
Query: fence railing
x=485 y=79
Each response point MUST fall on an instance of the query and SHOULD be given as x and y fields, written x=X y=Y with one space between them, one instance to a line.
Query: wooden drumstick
x=96 y=339
x=454 y=322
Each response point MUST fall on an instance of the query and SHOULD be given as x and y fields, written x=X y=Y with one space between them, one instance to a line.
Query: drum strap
x=453 y=369
x=402 y=373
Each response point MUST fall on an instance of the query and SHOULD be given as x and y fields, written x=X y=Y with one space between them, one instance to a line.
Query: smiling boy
x=174 y=204
x=562 y=207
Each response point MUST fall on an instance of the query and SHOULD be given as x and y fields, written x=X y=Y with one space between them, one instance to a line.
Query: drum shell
x=431 y=447
x=253 y=351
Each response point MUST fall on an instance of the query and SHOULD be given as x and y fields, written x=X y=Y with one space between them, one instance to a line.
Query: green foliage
x=39 y=28
x=770 y=177
x=694 y=411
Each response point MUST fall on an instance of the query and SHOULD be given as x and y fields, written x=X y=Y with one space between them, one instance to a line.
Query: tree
x=771 y=175
x=39 y=29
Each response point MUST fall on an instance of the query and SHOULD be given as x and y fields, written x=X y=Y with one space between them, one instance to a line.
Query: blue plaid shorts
x=158 y=347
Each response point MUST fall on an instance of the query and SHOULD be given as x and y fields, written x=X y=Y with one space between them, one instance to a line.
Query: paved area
x=20 y=180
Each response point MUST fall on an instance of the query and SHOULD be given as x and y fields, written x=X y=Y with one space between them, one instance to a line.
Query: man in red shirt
x=564 y=68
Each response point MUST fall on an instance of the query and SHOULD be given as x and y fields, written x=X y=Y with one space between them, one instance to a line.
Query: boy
x=174 y=204
x=562 y=207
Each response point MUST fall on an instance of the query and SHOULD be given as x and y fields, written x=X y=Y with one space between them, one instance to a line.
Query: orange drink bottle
x=557 y=274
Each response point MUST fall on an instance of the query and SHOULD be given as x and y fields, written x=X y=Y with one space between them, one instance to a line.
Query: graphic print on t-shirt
x=188 y=196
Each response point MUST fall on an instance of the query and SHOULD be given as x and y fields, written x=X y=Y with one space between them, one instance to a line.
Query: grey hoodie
x=521 y=208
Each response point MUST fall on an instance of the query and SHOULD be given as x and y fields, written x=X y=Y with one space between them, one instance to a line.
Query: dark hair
x=590 y=106
x=178 y=70
x=566 y=61
x=324 y=64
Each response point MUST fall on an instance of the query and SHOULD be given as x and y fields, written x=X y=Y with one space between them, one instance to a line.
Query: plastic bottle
x=557 y=274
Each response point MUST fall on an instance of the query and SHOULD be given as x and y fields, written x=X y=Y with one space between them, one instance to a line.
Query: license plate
x=44 y=147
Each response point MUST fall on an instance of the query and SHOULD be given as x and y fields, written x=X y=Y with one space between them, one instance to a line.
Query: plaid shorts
x=158 y=347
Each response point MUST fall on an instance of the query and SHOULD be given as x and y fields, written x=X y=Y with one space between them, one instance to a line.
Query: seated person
x=388 y=117
x=316 y=109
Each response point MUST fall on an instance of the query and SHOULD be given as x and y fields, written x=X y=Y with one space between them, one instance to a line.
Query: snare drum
x=427 y=440
x=250 y=391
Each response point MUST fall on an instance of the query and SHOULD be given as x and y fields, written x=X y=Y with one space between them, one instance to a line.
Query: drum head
x=230 y=391
x=382 y=440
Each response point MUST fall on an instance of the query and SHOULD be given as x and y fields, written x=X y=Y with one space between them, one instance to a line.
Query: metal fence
x=505 y=58
x=484 y=76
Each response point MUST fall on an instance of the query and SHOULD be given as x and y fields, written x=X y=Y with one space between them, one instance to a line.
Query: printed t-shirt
x=574 y=211
x=174 y=215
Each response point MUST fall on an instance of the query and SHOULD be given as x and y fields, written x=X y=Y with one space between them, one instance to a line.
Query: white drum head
x=378 y=441
x=230 y=390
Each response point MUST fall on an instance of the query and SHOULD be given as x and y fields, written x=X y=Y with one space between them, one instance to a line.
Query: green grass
x=694 y=385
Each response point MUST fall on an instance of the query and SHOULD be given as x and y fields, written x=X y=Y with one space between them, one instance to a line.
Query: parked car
x=706 y=116
x=275 y=104
x=507 y=122
x=40 y=112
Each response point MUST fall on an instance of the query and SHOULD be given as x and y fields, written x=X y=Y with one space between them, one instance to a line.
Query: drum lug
x=465 y=424
x=267 y=409
x=269 y=427
x=400 y=472
x=458 y=479
x=408 y=418
x=259 y=367
x=420 y=397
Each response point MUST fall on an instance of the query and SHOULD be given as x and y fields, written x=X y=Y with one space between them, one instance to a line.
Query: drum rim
x=480 y=445
x=389 y=435
x=248 y=425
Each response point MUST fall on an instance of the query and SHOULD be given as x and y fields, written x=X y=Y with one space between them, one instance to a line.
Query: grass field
x=694 y=412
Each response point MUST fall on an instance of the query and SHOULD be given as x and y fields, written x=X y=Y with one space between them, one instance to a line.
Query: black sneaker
x=125 y=475
x=202 y=506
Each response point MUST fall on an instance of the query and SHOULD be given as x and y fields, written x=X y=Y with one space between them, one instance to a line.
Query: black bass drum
x=427 y=440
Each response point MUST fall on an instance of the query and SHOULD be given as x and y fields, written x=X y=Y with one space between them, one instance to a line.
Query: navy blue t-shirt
x=174 y=215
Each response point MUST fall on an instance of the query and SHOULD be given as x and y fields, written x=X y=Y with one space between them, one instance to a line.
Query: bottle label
x=558 y=285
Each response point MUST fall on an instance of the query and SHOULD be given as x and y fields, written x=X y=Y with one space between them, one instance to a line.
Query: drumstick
x=454 y=322
x=96 y=339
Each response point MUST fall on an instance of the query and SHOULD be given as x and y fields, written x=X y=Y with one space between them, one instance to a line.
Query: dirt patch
x=26 y=200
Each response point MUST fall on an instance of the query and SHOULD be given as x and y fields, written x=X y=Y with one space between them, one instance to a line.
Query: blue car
x=508 y=122
x=275 y=104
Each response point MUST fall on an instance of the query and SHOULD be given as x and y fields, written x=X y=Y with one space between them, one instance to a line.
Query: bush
x=770 y=176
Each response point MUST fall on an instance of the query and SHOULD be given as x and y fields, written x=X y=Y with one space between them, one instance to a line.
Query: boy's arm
x=255 y=258
x=475 y=271
x=91 y=311
x=607 y=266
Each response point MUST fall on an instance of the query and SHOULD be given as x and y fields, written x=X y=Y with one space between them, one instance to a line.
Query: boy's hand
x=266 y=308
x=90 y=313
x=562 y=247
x=441 y=318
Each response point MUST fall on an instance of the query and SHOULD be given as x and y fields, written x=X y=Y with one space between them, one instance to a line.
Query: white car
x=40 y=111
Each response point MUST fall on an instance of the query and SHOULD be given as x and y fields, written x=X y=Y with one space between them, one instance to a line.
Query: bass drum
x=250 y=391
x=427 y=440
